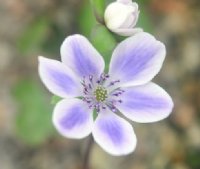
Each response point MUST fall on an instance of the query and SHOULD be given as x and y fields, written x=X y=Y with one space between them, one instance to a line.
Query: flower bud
x=121 y=17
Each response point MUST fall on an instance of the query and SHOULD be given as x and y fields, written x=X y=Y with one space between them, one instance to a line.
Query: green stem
x=99 y=18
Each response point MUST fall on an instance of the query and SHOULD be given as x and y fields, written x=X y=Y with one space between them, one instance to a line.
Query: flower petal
x=72 y=118
x=137 y=59
x=146 y=103
x=59 y=79
x=114 y=134
x=132 y=19
x=127 y=32
x=117 y=13
x=78 y=54
x=125 y=1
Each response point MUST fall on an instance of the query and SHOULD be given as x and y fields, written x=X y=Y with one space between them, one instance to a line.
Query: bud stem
x=99 y=18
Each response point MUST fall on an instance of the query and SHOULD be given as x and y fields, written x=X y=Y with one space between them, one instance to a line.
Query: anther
x=90 y=78
x=114 y=82
x=120 y=101
x=90 y=86
x=113 y=109
x=103 y=107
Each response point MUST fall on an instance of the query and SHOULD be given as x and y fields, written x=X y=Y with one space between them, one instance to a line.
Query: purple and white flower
x=121 y=17
x=80 y=80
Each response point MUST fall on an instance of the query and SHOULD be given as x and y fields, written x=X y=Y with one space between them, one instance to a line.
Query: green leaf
x=55 y=99
x=99 y=6
x=95 y=114
x=86 y=19
x=104 y=42
x=33 y=36
x=33 y=121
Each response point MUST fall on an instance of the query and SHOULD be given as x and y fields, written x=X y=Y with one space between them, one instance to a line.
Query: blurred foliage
x=34 y=35
x=104 y=42
x=143 y=2
x=33 y=123
x=193 y=158
x=86 y=20
x=99 y=6
x=144 y=20
x=53 y=40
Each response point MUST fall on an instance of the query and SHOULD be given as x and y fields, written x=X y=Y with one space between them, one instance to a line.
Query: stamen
x=103 y=107
x=120 y=101
x=97 y=96
x=107 y=76
x=90 y=78
x=102 y=79
x=114 y=109
x=112 y=83
x=90 y=86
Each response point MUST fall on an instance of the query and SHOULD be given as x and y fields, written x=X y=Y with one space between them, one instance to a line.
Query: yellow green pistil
x=100 y=94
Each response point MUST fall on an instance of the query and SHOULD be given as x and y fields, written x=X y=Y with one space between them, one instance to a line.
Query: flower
x=80 y=80
x=121 y=17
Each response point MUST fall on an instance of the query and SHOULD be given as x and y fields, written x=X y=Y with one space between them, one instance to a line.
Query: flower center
x=100 y=94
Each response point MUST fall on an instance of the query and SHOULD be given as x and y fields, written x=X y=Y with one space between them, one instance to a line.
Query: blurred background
x=37 y=27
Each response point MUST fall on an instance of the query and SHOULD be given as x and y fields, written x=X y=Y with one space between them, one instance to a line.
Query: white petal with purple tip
x=137 y=59
x=78 y=54
x=58 y=78
x=72 y=118
x=114 y=134
x=146 y=103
